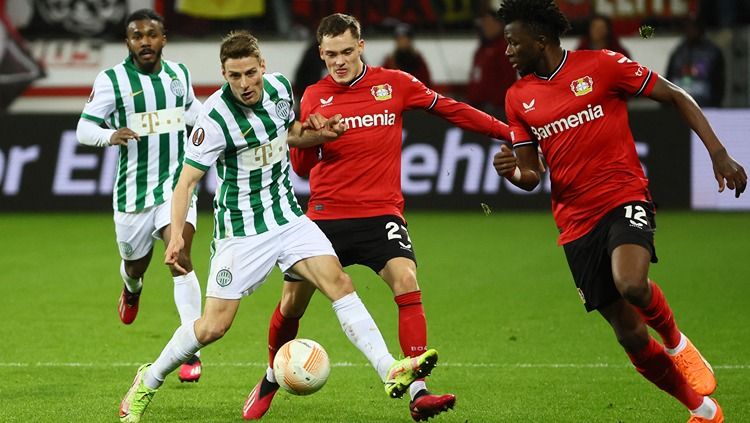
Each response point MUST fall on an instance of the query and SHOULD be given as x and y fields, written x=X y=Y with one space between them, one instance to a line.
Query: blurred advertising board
x=732 y=127
x=43 y=168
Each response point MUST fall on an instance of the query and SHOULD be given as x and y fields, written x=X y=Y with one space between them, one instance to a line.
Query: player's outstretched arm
x=189 y=177
x=727 y=171
x=470 y=119
x=89 y=133
x=522 y=169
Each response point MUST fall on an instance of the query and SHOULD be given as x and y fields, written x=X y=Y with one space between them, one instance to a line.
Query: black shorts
x=369 y=241
x=589 y=257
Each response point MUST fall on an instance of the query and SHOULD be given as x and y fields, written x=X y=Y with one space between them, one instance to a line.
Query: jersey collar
x=130 y=64
x=557 y=70
x=360 y=76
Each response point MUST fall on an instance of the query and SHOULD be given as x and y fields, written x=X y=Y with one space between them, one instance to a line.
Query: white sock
x=415 y=387
x=132 y=285
x=187 y=297
x=707 y=410
x=363 y=332
x=179 y=349
x=681 y=346
x=270 y=376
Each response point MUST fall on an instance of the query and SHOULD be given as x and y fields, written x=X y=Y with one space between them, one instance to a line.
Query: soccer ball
x=301 y=366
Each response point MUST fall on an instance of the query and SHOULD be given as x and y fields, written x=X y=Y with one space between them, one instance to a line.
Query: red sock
x=659 y=316
x=412 y=325
x=280 y=331
x=655 y=365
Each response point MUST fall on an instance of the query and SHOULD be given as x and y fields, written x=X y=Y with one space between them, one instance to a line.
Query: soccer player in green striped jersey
x=141 y=107
x=246 y=128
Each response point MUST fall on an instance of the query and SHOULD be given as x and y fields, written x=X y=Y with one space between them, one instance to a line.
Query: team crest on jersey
x=582 y=86
x=177 y=88
x=283 y=108
x=382 y=92
x=125 y=248
x=224 y=277
x=198 y=136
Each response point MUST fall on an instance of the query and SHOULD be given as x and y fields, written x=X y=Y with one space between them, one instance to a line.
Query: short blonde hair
x=238 y=44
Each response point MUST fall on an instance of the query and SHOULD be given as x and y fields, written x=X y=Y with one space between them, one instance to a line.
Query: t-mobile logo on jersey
x=366 y=121
x=562 y=125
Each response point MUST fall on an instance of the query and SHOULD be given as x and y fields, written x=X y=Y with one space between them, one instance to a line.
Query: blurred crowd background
x=52 y=50
x=707 y=54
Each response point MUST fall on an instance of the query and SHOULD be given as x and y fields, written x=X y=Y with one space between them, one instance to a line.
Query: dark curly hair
x=542 y=16
x=145 y=14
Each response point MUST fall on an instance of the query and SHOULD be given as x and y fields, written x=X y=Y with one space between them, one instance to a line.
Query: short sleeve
x=101 y=102
x=416 y=94
x=192 y=105
x=627 y=76
x=283 y=87
x=205 y=144
x=519 y=135
x=189 y=82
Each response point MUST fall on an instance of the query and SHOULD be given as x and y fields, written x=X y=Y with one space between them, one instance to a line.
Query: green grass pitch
x=515 y=343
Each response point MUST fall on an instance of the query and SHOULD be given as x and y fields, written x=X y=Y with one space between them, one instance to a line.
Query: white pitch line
x=349 y=364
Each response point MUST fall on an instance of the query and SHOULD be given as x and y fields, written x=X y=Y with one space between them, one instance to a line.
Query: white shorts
x=239 y=265
x=135 y=232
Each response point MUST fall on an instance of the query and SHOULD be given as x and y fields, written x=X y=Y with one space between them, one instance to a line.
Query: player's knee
x=212 y=331
x=340 y=286
x=135 y=269
x=634 y=290
x=406 y=282
x=344 y=282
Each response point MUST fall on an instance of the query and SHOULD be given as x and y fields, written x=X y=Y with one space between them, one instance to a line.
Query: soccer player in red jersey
x=356 y=194
x=573 y=104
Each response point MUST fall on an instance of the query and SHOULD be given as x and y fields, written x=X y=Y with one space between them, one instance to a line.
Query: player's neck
x=550 y=61
x=357 y=75
x=155 y=68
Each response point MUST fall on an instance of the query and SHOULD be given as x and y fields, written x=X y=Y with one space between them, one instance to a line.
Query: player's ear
x=542 y=41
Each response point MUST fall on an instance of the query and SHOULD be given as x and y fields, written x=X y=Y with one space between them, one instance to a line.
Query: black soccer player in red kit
x=356 y=196
x=573 y=105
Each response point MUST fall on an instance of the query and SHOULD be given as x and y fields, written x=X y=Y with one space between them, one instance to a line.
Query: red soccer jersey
x=579 y=117
x=359 y=174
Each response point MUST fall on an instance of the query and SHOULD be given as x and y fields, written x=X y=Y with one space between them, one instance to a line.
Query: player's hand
x=729 y=173
x=172 y=253
x=334 y=127
x=315 y=121
x=122 y=136
x=505 y=161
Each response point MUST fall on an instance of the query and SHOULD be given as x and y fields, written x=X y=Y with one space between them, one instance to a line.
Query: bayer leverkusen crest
x=382 y=92
x=582 y=86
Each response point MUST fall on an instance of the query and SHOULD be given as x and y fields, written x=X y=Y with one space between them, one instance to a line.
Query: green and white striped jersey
x=249 y=147
x=154 y=106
